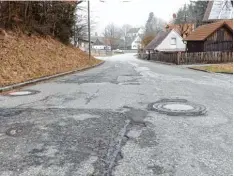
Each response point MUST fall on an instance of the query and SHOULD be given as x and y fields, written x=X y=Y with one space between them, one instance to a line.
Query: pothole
x=18 y=130
x=9 y=113
x=178 y=107
x=23 y=93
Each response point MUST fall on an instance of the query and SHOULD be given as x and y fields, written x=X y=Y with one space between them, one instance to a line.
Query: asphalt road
x=98 y=122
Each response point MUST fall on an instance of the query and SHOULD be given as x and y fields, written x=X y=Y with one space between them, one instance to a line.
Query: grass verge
x=219 y=68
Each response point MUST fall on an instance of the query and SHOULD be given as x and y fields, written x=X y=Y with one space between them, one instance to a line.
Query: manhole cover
x=18 y=130
x=23 y=93
x=177 y=107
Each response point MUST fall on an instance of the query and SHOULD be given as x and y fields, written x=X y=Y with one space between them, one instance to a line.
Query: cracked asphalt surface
x=97 y=122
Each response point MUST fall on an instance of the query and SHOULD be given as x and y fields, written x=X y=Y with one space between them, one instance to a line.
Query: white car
x=118 y=51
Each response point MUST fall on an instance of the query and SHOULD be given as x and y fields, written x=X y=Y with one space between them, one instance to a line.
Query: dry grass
x=24 y=58
x=219 y=68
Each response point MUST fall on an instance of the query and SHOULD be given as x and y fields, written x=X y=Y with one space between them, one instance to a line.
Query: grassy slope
x=23 y=58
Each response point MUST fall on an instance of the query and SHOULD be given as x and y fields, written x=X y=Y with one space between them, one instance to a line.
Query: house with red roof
x=216 y=36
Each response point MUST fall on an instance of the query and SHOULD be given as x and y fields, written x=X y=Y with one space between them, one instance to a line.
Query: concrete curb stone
x=18 y=85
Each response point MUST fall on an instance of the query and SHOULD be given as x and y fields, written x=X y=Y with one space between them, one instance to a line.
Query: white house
x=169 y=41
x=134 y=38
x=83 y=44
x=136 y=44
x=100 y=45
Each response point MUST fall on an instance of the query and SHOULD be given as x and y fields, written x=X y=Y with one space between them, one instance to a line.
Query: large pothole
x=177 y=107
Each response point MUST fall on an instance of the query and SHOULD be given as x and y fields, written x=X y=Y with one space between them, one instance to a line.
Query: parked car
x=118 y=51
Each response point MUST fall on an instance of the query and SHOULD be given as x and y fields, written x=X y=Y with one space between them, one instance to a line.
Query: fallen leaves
x=24 y=58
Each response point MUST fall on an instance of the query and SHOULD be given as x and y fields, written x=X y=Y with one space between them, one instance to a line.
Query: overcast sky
x=134 y=13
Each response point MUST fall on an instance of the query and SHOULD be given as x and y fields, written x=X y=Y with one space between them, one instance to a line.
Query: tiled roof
x=204 y=31
x=157 y=40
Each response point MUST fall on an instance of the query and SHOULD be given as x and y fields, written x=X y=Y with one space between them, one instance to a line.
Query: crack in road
x=90 y=98
x=117 y=152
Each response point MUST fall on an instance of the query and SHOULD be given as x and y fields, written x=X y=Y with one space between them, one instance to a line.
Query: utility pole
x=89 y=30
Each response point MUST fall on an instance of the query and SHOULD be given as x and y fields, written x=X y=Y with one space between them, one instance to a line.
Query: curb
x=198 y=69
x=153 y=61
x=32 y=81
x=225 y=73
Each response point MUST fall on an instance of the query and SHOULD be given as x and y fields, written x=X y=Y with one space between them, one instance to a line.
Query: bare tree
x=125 y=28
x=81 y=27
x=112 y=35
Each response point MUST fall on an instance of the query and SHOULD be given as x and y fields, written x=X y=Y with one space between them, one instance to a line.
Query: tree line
x=54 y=18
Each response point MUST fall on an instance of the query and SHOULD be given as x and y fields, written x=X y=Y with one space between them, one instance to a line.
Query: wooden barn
x=216 y=36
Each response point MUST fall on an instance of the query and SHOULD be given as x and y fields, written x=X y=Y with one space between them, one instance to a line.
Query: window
x=173 y=41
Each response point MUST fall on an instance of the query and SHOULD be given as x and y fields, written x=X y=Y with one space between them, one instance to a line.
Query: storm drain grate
x=23 y=93
x=177 y=107
x=18 y=130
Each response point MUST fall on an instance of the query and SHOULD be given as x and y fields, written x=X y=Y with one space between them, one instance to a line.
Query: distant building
x=216 y=36
x=100 y=44
x=134 y=38
x=83 y=44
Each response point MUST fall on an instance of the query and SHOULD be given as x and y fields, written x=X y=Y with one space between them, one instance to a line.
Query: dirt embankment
x=24 y=58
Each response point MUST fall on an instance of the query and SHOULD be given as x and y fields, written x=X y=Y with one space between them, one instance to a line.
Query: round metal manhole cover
x=178 y=107
x=18 y=130
x=23 y=93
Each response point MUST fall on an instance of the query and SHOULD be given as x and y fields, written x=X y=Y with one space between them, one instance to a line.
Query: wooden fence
x=96 y=52
x=190 y=58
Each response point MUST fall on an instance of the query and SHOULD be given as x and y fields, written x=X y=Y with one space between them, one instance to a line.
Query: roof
x=182 y=29
x=105 y=41
x=86 y=40
x=219 y=9
x=204 y=31
x=133 y=30
x=157 y=40
x=98 y=42
x=208 y=10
